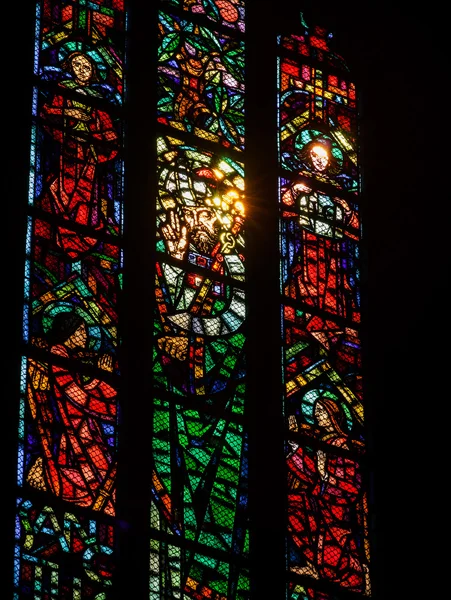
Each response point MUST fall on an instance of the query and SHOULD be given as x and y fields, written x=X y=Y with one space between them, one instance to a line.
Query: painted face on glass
x=204 y=227
x=320 y=157
x=322 y=416
x=79 y=338
x=82 y=68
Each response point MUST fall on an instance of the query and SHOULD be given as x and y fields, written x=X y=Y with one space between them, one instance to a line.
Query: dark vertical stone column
x=267 y=482
x=137 y=301
x=17 y=75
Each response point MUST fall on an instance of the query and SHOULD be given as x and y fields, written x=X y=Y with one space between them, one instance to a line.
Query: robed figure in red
x=324 y=490
x=73 y=413
x=88 y=138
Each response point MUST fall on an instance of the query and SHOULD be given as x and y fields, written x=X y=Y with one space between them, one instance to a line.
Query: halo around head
x=73 y=46
x=313 y=135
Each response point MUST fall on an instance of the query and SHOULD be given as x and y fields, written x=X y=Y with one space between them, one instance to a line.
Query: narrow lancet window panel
x=68 y=438
x=320 y=236
x=199 y=522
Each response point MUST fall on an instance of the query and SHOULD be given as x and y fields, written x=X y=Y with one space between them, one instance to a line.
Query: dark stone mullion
x=138 y=299
x=267 y=484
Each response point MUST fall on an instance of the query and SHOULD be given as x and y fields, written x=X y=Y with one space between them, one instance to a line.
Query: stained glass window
x=193 y=463
x=320 y=234
x=65 y=538
x=199 y=440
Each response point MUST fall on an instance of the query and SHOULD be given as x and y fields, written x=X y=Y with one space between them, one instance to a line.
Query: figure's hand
x=321 y=464
x=38 y=375
x=176 y=236
x=292 y=423
x=175 y=346
x=106 y=362
x=294 y=446
x=77 y=113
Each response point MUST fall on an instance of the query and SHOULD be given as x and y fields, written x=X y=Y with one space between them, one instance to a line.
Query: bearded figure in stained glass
x=201 y=308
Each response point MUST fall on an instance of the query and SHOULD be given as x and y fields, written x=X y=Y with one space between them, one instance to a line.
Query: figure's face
x=320 y=157
x=204 y=227
x=322 y=416
x=82 y=69
x=80 y=336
